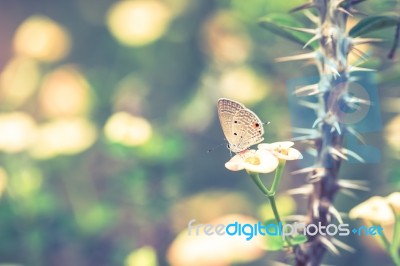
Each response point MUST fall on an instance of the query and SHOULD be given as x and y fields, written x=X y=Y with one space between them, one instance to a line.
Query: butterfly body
x=241 y=126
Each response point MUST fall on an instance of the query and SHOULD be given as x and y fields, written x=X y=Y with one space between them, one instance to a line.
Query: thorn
x=334 y=70
x=311 y=16
x=311 y=105
x=348 y=192
x=316 y=37
x=353 y=154
x=296 y=57
x=336 y=152
x=300 y=130
x=316 y=175
x=312 y=152
x=341 y=9
x=358 y=12
x=303 y=190
x=351 y=100
x=306 y=30
x=352 y=184
x=303 y=171
x=336 y=126
x=342 y=245
x=305 y=138
x=315 y=208
x=335 y=213
x=354 y=69
x=329 y=245
x=356 y=134
x=313 y=89
x=316 y=122
x=357 y=41
x=359 y=53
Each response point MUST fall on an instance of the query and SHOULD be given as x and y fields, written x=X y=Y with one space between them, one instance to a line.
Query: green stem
x=394 y=249
x=396 y=231
x=259 y=183
x=278 y=175
x=270 y=193
x=393 y=253
x=395 y=257
x=274 y=208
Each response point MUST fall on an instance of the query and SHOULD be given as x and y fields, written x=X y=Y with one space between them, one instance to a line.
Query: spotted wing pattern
x=242 y=128
x=226 y=111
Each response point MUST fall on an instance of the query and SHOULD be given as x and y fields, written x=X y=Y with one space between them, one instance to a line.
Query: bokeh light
x=143 y=256
x=243 y=84
x=207 y=206
x=3 y=180
x=64 y=92
x=17 y=131
x=137 y=23
x=42 y=38
x=225 y=40
x=64 y=136
x=18 y=81
x=127 y=129
x=215 y=250
x=392 y=134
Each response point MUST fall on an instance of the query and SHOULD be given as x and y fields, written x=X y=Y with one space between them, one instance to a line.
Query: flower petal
x=234 y=166
x=293 y=154
x=236 y=163
x=394 y=201
x=267 y=163
x=375 y=209
x=275 y=145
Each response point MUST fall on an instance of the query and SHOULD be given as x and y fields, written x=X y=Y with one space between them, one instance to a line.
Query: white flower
x=259 y=161
x=375 y=210
x=282 y=150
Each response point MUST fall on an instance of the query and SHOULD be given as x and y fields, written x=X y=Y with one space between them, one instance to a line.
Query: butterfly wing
x=227 y=109
x=247 y=130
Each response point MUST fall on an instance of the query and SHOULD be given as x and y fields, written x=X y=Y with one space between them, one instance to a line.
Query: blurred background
x=108 y=108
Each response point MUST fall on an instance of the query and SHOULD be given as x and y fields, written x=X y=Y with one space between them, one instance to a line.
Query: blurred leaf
x=374 y=23
x=278 y=23
x=297 y=240
x=273 y=243
x=348 y=3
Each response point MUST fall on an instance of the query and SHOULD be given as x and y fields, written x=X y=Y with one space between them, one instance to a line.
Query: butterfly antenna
x=215 y=147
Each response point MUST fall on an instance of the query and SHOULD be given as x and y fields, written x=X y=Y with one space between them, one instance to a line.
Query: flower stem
x=394 y=249
x=270 y=193
x=274 y=208
x=278 y=175
x=391 y=248
x=256 y=179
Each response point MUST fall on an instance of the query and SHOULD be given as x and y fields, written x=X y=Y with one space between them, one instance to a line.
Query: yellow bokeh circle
x=137 y=23
x=17 y=131
x=42 y=38
x=128 y=130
